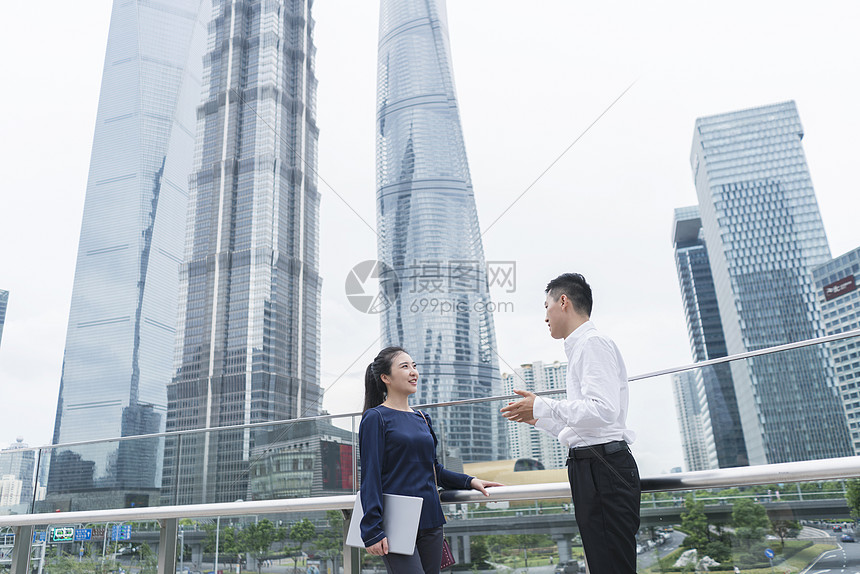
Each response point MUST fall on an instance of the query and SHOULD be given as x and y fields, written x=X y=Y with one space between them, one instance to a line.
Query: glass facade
x=839 y=298
x=428 y=227
x=764 y=234
x=121 y=331
x=248 y=334
x=718 y=408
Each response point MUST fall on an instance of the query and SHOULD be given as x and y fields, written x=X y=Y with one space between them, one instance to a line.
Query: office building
x=836 y=288
x=248 y=329
x=4 y=302
x=689 y=410
x=525 y=441
x=121 y=330
x=428 y=230
x=718 y=411
x=764 y=234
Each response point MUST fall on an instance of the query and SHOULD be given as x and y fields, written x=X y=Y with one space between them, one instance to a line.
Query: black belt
x=597 y=450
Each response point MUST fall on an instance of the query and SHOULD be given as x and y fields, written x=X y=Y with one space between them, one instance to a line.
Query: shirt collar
x=577 y=335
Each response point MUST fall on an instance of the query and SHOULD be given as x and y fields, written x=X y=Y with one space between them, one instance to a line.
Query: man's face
x=555 y=316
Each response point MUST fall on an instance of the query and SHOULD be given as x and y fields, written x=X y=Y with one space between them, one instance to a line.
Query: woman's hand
x=379 y=549
x=483 y=485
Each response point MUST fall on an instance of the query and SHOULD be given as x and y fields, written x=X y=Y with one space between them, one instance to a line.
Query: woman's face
x=403 y=379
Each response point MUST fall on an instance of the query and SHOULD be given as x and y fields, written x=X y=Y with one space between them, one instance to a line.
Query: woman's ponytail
x=374 y=387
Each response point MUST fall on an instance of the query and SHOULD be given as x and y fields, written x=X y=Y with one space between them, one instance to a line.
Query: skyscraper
x=689 y=409
x=121 y=331
x=4 y=301
x=248 y=339
x=718 y=411
x=428 y=228
x=836 y=287
x=764 y=234
x=525 y=441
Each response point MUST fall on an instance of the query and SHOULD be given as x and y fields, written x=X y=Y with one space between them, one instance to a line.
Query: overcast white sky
x=531 y=76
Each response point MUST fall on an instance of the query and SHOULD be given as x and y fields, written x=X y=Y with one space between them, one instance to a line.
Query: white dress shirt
x=595 y=411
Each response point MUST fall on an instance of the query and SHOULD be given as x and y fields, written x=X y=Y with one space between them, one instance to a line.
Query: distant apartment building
x=836 y=287
x=764 y=235
x=688 y=408
x=525 y=441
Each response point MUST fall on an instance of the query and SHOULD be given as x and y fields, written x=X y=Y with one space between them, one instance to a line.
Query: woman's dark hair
x=374 y=388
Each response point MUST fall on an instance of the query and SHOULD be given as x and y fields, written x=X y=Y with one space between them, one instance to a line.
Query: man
x=591 y=422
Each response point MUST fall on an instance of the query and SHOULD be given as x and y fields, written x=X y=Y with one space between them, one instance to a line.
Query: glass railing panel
x=95 y=547
x=309 y=542
x=100 y=475
x=18 y=479
x=789 y=525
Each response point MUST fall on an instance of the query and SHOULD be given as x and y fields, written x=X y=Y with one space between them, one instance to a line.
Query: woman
x=398 y=456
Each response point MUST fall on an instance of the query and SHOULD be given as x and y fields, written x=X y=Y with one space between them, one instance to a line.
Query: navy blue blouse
x=398 y=451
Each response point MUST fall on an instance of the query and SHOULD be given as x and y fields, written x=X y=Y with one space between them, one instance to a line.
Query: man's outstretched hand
x=521 y=411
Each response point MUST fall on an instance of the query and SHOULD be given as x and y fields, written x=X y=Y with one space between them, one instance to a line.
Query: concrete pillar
x=197 y=553
x=455 y=548
x=351 y=554
x=467 y=549
x=167 y=546
x=563 y=543
x=21 y=550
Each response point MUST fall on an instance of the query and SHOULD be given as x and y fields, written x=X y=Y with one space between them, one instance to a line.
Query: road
x=843 y=560
x=647 y=559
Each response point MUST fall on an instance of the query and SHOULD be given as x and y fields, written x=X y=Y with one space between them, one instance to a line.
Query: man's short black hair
x=575 y=287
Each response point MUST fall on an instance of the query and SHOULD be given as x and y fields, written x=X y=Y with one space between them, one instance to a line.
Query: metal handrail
x=678 y=369
x=811 y=470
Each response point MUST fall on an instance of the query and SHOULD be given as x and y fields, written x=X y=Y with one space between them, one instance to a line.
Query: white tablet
x=400 y=515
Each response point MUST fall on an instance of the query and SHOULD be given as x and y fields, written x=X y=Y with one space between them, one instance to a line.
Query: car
x=847 y=538
x=837 y=528
x=569 y=567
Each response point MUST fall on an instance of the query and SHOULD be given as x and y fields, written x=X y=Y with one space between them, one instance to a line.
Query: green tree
x=257 y=538
x=301 y=532
x=329 y=543
x=750 y=521
x=852 y=497
x=695 y=523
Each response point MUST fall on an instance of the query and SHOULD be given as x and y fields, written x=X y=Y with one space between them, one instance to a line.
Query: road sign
x=39 y=536
x=62 y=534
x=120 y=532
x=82 y=534
x=768 y=552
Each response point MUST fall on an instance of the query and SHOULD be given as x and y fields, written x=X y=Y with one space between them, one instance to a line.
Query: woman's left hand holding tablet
x=380 y=548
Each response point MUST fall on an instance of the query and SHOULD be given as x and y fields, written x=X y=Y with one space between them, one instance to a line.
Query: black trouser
x=604 y=481
x=427 y=556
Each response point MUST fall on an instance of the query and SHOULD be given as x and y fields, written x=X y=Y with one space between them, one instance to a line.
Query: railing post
x=21 y=549
x=351 y=554
x=167 y=546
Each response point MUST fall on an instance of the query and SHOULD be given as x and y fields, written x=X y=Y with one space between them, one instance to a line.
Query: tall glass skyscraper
x=248 y=340
x=121 y=331
x=764 y=235
x=428 y=228
x=715 y=391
